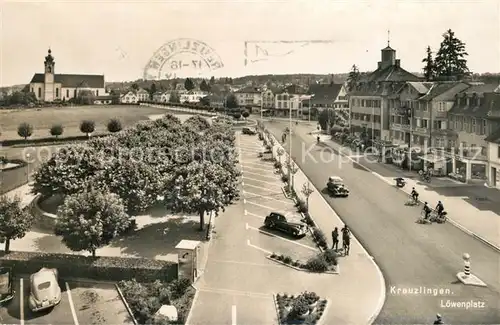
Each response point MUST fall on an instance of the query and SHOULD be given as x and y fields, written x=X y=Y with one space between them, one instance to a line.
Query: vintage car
x=279 y=222
x=248 y=131
x=6 y=290
x=336 y=187
x=45 y=292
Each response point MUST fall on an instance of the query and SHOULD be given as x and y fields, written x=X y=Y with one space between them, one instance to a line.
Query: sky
x=119 y=38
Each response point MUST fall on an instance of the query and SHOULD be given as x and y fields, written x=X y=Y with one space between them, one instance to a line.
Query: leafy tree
x=152 y=90
x=25 y=130
x=56 y=130
x=237 y=115
x=91 y=219
x=197 y=122
x=212 y=80
x=353 y=78
x=14 y=220
x=87 y=127
x=326 y=118
x=450 y=60
x=114 y=125
x=429 y=68
x=85 y=97
x=174 y=98
x=135 y=86
x=188 y=84
x=204 y=86
x=231 y=101
x=205 y=101
x=245 y=114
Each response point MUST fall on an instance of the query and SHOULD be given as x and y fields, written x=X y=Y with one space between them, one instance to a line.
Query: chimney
x=379 y=65
x=397 y=63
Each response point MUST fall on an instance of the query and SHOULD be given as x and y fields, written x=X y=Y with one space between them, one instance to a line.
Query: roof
x=377 y=88
x=295 y=89
x=214 y=97
x=324 y=93
x=142 y=91
x=388 y=48
x=106 y=97
x=494 y=137
x=479 y=89
x=73 y=80
x=391 y=73
x=489 y=103
x=188 y=244
x=421 y=87
x=248 y=90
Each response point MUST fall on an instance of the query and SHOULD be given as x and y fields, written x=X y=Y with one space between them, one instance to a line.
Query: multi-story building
x=192 y=96
x=129 y=97
x=142 y=95
x=493 y=141
x=369 y=100
x=474 y=116
x=249 y=97
x=286 y=104
x=268 y=99
x=216 y=101
x=328 y=96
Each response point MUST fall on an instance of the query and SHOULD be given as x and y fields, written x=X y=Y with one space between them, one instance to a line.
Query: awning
x=432 y=158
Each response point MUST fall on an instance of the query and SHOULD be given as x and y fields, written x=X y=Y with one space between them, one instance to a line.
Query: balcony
x=400 y=127
x=440 y=114
x=421 y=130
x=366 y=110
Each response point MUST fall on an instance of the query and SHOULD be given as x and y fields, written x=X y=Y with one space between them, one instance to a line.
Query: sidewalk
x=359 y=265
x=474 y=209
x=24 y=193
x=183 y=109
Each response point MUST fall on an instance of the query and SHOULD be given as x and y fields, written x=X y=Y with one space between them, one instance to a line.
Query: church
x=50 y=87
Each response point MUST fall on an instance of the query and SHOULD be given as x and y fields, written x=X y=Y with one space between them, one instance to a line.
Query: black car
x=279 y=222
x=6 y=289
x=336 y=187
x=248 y=131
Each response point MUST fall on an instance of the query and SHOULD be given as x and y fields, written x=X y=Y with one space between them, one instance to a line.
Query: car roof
x=43 y=275
x=335 y=178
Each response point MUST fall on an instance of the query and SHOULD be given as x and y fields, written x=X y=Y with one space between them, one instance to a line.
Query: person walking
x=335 y=239
x=346 y=240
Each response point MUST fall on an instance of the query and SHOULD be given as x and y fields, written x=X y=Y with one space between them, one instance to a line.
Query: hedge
x=19 y=162
x=50 y=140
x=97 y=268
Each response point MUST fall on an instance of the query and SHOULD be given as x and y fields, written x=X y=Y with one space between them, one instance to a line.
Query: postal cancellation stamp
x=182 y=57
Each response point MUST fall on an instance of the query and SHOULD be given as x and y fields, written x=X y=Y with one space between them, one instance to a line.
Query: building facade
x=143 y=95
x=249 y=97
x=369 y=100
x=50 y=87
x=192 y=96
x=286 y=104
x=129 y=97
x=328 y=96
x=494 y=159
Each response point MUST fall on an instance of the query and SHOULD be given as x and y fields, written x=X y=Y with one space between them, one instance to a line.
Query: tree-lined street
x=410 y=255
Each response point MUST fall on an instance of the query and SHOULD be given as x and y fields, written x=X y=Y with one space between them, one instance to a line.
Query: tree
x=91 y=219
x=353 y=78
x=152 y=91
x=231 y=101
x=197 y=122
x=114 y=125
x=85 y=97
x=429 y=68
x=14 y=220
x=87 y=127
x=204 y=86
x=237 y=115
x=174 y=98
x=307 y=191
x=25 y=130
x=56 y=130
x=205 y=101
x=212 y=80
x=245 y=114
x=188 y=84
x=135 y=86
x=450 y=60
x=326 y=118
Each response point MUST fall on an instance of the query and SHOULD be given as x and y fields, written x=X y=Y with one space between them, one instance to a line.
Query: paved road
x=410 y=255
x=83 y=303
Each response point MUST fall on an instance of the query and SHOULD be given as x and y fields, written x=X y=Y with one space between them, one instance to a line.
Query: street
x=409 y=255
x=82 y=302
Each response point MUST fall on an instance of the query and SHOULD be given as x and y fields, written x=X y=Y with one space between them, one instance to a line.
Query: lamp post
x=28 y=156
x=409 y=113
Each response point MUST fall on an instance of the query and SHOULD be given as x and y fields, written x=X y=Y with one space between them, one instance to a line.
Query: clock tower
x=49 y=78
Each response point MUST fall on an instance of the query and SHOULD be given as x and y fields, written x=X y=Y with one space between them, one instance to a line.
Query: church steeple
x=49 y=62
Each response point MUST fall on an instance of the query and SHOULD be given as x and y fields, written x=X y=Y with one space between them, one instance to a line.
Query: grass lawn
x=70 y=118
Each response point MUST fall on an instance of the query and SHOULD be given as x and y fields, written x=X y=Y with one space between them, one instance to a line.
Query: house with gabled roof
x=249 y=96
x=129 y=97
x=143 y=95
x=329 y=95
x=49 y=86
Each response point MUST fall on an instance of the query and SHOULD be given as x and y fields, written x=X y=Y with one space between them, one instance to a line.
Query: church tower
x=388 y=55
x=49 y=78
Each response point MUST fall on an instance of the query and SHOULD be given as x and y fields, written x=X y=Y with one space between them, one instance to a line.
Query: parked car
x=6 y=290
x=248 y=131
x=44 y=290
x=279 y=222
x=336 y=187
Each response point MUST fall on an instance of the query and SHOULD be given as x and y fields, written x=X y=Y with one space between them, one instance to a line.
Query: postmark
x=257 y=51
x=181 y=58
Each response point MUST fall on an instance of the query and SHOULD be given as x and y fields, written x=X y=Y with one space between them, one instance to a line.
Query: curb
x=122 y=297
x=450 y=220
x=302 y=270
x=195 y=298
x=383 y=294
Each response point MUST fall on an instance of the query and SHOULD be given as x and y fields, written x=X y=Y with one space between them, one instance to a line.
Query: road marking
x=254 y=215
x=270 y=183
x=249 y=149
x=21 y=301
x=257 y=247
x=267 y=170
x=273 y=177
x=233 y=315
x=246 y=263
x=264 y=189
x=267 y=197
x=71 y=305
x=236 y=292
x=263 y=206
x=279 y=237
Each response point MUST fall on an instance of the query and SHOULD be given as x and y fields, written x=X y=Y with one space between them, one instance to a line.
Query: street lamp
x=28 y=156
x=312 y=95
x=409 y=113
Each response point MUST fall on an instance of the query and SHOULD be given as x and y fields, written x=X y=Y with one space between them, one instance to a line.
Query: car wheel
x=271 y=225
x=295 y=234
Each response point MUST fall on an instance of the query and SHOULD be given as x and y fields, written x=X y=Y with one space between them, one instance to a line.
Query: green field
x=70 y=118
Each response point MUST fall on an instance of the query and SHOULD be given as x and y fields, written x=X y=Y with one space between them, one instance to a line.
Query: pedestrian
x=346 y=240
x=335 y=239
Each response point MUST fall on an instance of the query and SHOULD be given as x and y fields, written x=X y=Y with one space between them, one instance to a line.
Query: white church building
x=49 y=86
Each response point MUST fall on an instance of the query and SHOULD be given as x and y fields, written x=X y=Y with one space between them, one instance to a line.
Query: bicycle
x=412 y=201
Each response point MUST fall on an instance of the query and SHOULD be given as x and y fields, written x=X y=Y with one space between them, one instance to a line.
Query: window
x=32 y=90
x=74 y=93
x=57 y=92
x=419 y=123
x=97 y=92
x=392 y=118
x=39 y=92
x=424 y=123
x=279 y=104
x=498 y=151
x=473 y=125
x=291 y=105
x=483 y=151
x=483 y=127
x=67 y=92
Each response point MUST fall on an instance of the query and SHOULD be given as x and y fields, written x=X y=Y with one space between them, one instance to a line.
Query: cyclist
x=414 y=195
x=427 y=211
x=439 y=209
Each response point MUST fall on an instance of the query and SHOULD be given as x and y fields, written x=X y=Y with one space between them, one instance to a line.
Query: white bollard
x=466 y=258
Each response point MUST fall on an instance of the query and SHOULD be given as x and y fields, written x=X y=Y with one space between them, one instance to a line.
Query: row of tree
x=189 y=85
x=25 y=130
x=106 y=181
